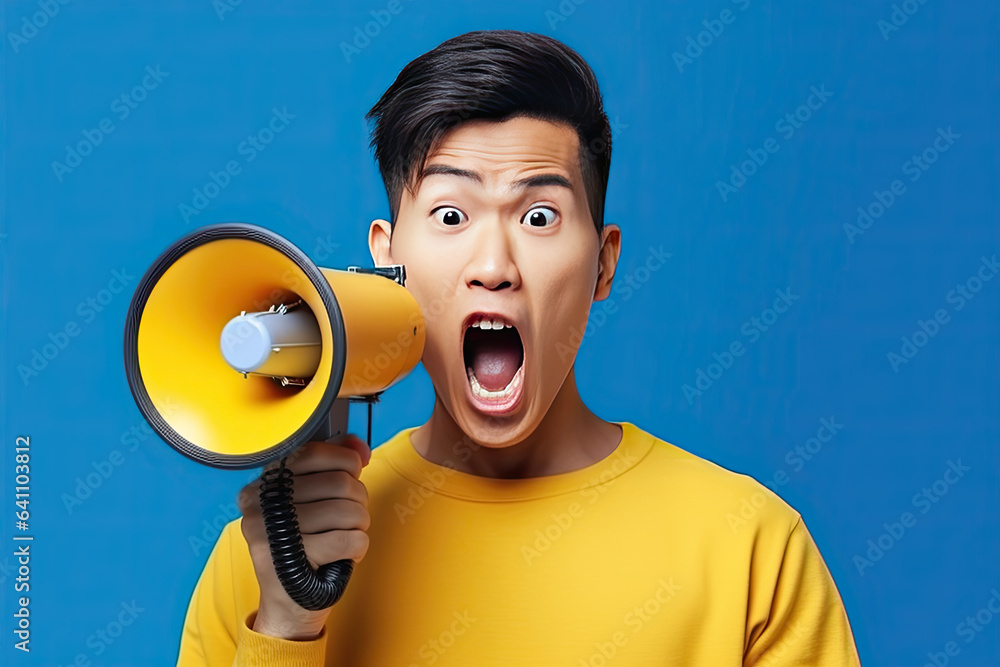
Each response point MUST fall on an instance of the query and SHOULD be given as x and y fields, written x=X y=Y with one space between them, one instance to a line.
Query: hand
x=331 y=504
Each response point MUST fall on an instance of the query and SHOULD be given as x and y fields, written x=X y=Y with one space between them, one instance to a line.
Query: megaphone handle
x=310 y=589
x=336 y=422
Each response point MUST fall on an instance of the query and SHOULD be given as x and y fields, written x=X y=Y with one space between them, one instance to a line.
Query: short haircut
x=494 y=75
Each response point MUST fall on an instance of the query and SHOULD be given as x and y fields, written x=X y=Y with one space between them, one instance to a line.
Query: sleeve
x=803 y=620
x=257 y=650
x=217 y=629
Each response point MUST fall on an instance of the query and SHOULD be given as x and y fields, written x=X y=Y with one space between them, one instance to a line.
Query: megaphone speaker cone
x=188 y=384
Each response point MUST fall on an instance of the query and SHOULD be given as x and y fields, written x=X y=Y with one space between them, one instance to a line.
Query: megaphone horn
x=238 y=350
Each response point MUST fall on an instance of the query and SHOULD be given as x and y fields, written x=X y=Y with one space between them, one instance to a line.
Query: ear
x=607 y=260
x=379 y=240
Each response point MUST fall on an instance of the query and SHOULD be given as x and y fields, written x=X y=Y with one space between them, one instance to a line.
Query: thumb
x=352 y=441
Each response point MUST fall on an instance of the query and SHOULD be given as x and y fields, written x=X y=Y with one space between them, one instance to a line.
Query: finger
x=321 y=456
x=329 y=484
x=337 y=514
x=314 y=518
x=355 y=443
x=335 y=545
x=248 y=499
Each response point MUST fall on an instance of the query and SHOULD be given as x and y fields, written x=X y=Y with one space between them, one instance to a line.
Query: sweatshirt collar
x=404 y=459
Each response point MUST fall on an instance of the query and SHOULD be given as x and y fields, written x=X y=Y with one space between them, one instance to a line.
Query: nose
x=492 y=264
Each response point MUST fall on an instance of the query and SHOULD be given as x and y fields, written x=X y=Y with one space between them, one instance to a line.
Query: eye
x=540 y=216
x=449 y=215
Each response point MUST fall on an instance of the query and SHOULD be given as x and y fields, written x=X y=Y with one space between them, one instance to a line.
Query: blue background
x=678 y=131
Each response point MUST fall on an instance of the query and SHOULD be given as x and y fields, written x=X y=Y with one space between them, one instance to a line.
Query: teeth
x=487 y=324
x=506 y=392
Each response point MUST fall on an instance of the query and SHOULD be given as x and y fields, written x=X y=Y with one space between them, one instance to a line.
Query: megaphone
x=238 y=350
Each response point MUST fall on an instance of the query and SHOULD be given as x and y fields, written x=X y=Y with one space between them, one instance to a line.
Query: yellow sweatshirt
x=651 y=556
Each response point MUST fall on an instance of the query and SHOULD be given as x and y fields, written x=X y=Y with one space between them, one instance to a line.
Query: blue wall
x=744 y=146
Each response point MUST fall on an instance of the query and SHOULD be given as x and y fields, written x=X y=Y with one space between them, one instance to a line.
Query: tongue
x=495 y=356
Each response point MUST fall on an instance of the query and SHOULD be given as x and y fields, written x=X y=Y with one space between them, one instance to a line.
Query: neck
x=568 y=438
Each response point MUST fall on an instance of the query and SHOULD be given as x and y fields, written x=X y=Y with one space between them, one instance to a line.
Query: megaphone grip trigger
x=310 y=589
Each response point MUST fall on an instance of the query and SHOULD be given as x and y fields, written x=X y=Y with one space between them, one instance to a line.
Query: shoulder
x=710 y=491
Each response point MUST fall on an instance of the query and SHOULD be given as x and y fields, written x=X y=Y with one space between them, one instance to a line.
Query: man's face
x=498 y=230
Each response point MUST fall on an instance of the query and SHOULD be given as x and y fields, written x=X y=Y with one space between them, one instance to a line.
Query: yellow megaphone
x=238 y=350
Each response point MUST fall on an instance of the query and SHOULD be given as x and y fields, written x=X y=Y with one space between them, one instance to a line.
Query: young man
x=515 y=527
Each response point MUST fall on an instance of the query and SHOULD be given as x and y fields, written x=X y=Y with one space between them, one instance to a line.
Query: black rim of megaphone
x=201 y=236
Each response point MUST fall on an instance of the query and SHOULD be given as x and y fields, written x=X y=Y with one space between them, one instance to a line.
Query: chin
x=491 y=430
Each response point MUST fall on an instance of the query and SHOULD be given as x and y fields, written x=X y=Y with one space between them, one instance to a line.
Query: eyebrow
x=537 y=181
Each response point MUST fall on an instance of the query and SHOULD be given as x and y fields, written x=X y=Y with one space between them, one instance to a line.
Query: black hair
x=494 y=75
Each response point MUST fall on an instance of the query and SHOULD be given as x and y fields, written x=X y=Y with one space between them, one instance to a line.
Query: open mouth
x=494 y=362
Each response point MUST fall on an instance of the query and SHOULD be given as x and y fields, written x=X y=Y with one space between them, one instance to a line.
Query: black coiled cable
x=310 y=589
